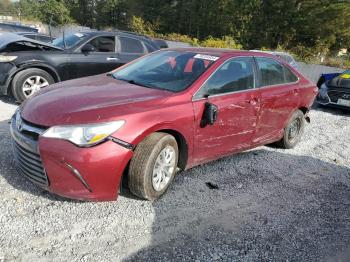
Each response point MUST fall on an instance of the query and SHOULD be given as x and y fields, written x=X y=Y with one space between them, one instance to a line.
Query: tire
x=39 y=78
x=143 y=166
x=288 y=141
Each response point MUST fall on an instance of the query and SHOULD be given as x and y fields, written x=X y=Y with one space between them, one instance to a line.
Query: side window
x=290 y=76
x=234 y=75
x=271 y=72
x=104 y=44
x=131 y=46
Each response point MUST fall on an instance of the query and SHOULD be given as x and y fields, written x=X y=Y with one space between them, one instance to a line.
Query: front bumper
x=338 y=97
x=326 y=101
x=92 y=174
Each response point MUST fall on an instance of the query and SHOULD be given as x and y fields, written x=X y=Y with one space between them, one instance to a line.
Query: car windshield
x=70 y=40
x=167 y=70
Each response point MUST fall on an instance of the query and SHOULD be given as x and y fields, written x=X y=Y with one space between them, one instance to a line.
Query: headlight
x=84 y=135
x=323 y=91
x=5 y=59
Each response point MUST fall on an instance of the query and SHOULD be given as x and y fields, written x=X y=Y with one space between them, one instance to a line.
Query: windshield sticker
x=207 y=57
x=79 y=35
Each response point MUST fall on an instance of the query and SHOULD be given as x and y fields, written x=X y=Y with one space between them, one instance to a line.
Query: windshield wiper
x=130 y=81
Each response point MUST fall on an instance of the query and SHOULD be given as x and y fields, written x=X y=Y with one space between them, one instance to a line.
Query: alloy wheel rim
x=33 y=84
x=294 y=129
x=163 y=168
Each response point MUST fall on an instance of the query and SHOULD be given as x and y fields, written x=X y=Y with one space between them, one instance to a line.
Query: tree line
x=314 y=26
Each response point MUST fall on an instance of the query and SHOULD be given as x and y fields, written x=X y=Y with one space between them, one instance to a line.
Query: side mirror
x=88 y=48
x=210 y=115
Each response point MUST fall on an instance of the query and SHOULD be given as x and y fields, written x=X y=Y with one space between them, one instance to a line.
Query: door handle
x=112 y=59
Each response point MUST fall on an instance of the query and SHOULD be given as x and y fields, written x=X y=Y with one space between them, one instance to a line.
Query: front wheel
x=153 y=166
x=29 y=81
x=293 y=131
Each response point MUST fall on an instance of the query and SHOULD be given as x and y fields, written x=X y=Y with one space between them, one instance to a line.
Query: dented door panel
x=234 y=129
x=277 y=104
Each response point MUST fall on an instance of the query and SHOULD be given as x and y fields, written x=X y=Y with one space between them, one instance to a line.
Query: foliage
x=55 y=12
x=138 y=25
x=225 y=42
x=309 y=28
x=180 y=38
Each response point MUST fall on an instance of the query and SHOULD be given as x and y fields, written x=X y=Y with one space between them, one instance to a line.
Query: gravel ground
x=270 y=205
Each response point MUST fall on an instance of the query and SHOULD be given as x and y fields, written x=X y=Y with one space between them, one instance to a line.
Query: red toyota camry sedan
x=165 y=112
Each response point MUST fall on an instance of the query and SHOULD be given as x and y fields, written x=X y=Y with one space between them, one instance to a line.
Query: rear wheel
x=293 y=131
x=27 y=82
x=153 y=166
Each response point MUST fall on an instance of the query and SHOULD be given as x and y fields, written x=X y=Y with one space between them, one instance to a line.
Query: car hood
x=90 y=100
x=9 y=38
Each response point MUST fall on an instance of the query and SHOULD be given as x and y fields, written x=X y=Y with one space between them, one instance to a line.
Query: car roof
x=114 y=33
x=221 y=51
x=273 y=52
x=144 y=38
x=30 y=33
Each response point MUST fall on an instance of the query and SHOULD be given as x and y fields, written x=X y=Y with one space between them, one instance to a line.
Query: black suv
x=27 y=65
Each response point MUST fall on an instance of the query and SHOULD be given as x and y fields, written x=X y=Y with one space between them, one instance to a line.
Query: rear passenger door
x=279 y=94
x=130 y=49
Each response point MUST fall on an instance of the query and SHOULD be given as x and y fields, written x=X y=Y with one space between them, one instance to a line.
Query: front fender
x=172 y=118
x=40 y=65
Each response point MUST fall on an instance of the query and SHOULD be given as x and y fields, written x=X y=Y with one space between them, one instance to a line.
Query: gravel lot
x=271 y=205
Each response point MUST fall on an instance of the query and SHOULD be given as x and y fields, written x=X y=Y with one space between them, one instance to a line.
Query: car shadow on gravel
x=8 y=168
x=331 y=110
x=9 y=100
x=269 y=206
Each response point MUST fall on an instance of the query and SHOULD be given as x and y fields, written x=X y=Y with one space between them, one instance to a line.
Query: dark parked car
x=173 y=109
x=37 y=36
x=334 y=90
x=161 y=43
x=27 y=65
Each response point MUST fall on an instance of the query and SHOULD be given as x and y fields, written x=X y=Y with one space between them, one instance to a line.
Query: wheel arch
x=181 y=140
x=182 y=144
x=50 y=70
x=44 y=67
x=305 y=111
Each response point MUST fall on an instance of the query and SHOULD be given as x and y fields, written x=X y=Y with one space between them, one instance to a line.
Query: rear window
x=131 y=46
x=274 y=73
x=290 y=76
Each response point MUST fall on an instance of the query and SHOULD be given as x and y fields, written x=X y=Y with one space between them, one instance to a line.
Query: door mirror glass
x=88 y=48
x=210 y=114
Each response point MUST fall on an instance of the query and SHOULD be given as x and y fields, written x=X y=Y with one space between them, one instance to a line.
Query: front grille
x=30 y=164
x=334 y=95
x=25 y=146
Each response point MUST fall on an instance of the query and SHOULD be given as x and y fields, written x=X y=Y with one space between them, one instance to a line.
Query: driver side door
x=104 y=59
x=231 y=89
